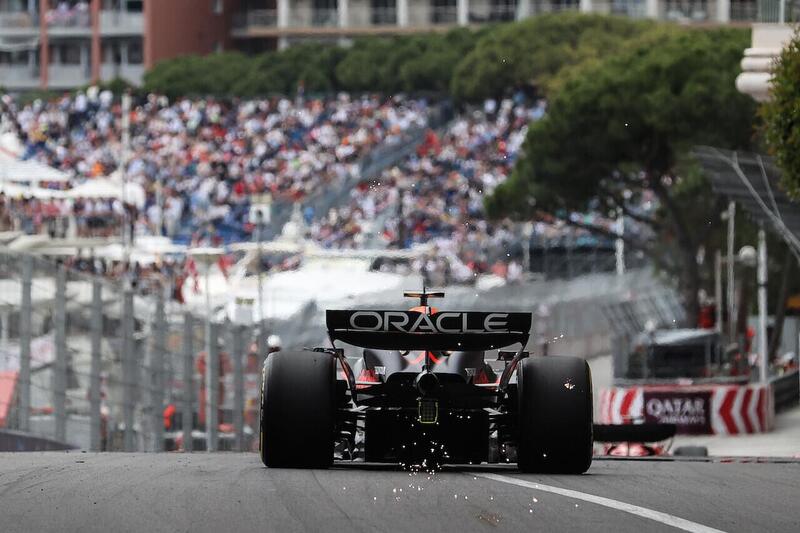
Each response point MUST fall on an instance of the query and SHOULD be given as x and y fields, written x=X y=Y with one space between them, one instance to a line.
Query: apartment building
x=59 y=44
x=81 y=41
x=265 y=24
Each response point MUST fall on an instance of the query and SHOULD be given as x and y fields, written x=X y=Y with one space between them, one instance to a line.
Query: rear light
x=428 y=411
x=480 y=378
x=367 y=378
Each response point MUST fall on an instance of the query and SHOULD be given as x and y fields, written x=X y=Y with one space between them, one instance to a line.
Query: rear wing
x=445 y=330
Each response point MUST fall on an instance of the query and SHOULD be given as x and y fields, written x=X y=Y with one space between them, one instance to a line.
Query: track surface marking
x=658 y=516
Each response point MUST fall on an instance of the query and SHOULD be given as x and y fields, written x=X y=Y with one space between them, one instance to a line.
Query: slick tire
x=555 y=415
x=297 y=410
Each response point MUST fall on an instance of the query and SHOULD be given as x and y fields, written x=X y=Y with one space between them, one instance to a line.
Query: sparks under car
x=421 y=392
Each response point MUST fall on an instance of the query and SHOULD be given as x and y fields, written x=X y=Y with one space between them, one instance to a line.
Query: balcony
x=69 y=23
x=496 y=13
x=121 y=23
x=67 y=76
x=308 y=17
x=444 y=15
x=626 y=8
x=744 y=11
x=383 y=16
x=131 y=73
x=305 y=20
x=686 y=11
x=256 y=17
x=20 y=24
x=17 y=77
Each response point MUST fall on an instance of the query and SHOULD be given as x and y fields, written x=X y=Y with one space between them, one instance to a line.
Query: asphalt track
x=232 y=492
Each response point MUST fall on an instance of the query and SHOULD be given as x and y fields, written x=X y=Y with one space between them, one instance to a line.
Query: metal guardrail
x=787 y=390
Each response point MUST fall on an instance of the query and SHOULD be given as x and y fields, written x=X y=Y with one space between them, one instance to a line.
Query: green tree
x=537 y=49
x=782 y=117
x=622 y=128
x=282 y=72
x=433 y=69
x=373 y=63
x=386 y=64
x=214 y=74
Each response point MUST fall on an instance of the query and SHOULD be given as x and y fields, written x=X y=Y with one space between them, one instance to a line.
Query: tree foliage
x=386 y=64
x=623 y=128
x=782 y=117
x=214 y=74
x=536 y=50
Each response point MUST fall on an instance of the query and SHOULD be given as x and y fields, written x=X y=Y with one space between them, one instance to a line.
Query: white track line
x=657 y=516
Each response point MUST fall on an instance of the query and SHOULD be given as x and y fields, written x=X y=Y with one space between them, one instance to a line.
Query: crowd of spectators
x=91 y=217
x=203 y=161
x=437 y=195
x=68 y=14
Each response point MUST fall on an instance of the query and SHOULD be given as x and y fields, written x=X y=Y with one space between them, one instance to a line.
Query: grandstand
x=368 y=172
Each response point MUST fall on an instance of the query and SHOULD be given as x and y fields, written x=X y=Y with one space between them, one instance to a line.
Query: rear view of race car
x=421 y=392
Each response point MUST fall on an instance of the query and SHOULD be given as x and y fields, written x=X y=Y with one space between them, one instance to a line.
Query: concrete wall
x=181 y=27
x=768 y=40
x=419 y=12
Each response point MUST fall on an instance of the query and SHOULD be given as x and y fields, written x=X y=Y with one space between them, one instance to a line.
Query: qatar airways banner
x=695 y=409
x=689 y=410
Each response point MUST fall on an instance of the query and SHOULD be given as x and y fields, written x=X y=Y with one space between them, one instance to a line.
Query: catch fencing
x=100 y=363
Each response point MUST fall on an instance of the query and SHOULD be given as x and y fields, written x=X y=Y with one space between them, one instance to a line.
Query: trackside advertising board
x=695 y=409
x=690 y=411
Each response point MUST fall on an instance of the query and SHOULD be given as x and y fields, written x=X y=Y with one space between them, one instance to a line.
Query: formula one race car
x=425 y=395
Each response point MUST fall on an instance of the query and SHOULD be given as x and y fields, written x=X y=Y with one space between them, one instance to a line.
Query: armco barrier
x=695 y=409
x=15 y=441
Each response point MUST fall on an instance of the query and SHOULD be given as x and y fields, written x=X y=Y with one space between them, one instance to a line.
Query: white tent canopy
x=108 y=188
x=28 y=171
x=21 y=191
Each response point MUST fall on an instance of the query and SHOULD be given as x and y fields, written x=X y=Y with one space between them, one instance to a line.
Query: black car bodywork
x=422 y=391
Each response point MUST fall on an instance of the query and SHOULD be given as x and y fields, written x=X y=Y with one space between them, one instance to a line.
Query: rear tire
x=298 y=410
x=555 y=415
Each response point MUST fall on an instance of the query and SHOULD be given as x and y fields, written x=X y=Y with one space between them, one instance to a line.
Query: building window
x=20 y=57
x=111 y=53
x=65 y=54
x=325 y=13
x=503 y=10
x=444 y=11
x=384 y=12
x=135 y=52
